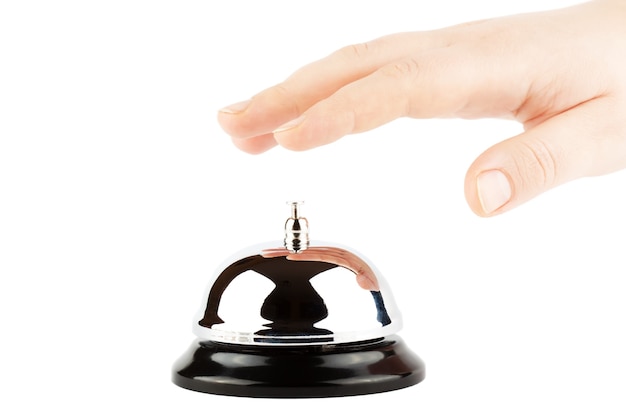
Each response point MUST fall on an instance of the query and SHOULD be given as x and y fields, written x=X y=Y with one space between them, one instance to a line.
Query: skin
x=365 y=277
x=561 y=73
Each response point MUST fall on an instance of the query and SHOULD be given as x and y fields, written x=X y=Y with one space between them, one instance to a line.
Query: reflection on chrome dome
x=312 y=298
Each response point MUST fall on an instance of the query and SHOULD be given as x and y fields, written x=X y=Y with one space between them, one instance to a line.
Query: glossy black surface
x=299 y=371
x=293 y=307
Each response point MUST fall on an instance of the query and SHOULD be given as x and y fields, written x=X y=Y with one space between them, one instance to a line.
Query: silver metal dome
x=297 y=292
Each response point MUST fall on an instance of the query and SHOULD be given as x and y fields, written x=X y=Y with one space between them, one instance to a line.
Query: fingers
x=359 y=106
x=581 y=142
x=418 y=87
x=287 y=100
x=365 y=277
x=250 y=123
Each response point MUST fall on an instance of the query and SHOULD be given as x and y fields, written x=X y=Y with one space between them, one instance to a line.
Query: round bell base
x=339 y=370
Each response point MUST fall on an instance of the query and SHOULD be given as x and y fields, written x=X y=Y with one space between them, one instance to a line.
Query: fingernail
x=237 y=107
x=494 y=190
x=289 y=125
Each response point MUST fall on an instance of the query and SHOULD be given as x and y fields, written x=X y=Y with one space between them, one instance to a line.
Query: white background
x=120 y=195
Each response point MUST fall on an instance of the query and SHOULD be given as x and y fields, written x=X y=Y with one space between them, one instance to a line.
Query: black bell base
x=298 y=371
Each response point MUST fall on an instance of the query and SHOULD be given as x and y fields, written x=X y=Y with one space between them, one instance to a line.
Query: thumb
x=579 y=142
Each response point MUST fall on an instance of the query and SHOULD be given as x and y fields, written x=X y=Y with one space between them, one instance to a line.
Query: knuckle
x=542 y=162
x=356 y=51
x=284 y=95
x=401 y=69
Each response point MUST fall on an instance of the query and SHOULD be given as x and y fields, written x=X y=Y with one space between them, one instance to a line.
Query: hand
x=365 y=277
x=562 y=74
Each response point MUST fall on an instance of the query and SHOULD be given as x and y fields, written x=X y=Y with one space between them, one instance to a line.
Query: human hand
x=365 y=277
x=561 y=73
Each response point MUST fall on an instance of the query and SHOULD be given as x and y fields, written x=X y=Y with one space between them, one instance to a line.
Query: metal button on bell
x=297 y=319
